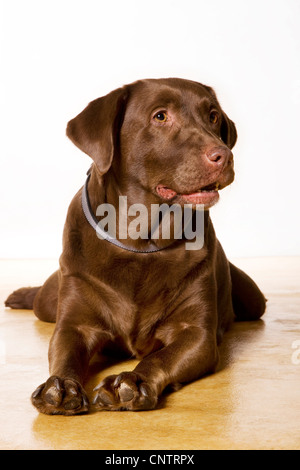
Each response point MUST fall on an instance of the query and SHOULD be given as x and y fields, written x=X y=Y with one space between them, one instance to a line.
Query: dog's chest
x=144 y=305
x=140 y=294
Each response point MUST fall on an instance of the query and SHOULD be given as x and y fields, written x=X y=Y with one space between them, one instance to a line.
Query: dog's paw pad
x=60 y=396
x=127 y=391
x=53 y=395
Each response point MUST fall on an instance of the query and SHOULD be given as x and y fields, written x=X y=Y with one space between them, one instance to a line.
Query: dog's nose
x=219 y=155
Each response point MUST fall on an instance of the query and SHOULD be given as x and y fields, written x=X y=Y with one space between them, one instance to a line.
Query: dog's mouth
x=208 y=195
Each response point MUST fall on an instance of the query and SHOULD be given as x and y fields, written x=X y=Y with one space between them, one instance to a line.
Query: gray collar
x=92 y=220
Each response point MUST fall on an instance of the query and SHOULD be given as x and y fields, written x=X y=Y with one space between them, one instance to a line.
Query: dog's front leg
x=71 y=347
x=191 y=353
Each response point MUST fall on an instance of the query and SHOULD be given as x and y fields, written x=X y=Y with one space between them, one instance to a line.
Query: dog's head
x=168 y=137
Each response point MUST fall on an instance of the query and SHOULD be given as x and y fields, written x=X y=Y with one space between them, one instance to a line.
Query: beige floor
x=253 y=402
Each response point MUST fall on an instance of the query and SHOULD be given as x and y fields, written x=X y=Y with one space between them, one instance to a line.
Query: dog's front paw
x=60 y=396
x=127 y=391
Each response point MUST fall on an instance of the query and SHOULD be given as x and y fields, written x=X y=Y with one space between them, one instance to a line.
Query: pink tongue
x=165 y=192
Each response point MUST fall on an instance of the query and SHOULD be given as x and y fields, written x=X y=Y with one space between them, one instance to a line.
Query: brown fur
x=169 y=308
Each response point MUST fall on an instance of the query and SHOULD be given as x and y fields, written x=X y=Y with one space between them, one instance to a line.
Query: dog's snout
x=219 y=155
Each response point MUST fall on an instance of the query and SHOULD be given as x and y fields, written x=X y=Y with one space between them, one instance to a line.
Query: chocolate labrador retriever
x=164 y=141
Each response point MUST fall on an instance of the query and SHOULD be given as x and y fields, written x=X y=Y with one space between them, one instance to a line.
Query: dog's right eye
x=161 y=116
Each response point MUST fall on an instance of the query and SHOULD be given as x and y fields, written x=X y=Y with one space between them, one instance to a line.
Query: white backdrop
x=58 y=55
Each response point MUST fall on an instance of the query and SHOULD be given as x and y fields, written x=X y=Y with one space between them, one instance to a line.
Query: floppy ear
x=95 y=129
x=228 y=131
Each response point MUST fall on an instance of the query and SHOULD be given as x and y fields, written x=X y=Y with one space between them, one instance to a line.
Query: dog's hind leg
x=22 y=298
x=248 y=301
x=43 y=299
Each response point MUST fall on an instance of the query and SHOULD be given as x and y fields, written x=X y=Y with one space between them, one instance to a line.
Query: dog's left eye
x=214 y=117
x=161 y=116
